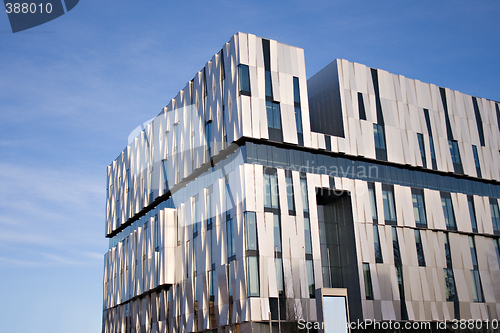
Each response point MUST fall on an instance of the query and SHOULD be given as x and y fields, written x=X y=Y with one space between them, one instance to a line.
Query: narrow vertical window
x=373 y=202
x=479 y=121
x=244 y=80
x=495 y=216
x=477 y=289
x=419 y=207
x=389 y=207
x=251 y=231
x=361 y=107
x=497 y=250
x=310 y=278
x=368 y=281
x=229 y=199
x=472 y=213
x=451 y=292
x=231 y=251
x=378 y=250
x=271 y=189
x=455 y=156
x=449 y=215
x=399 y=273
x=307 y=237
x=252 y=254
x=298 y=111
x=277 y=233
x=289 y=192
x=208 y=138
x=420 y=248
x=420 y=138
x=431 y=141
x=303 y=190
x=476 y=161
x=278 y=265
x=379 y=135
x=253 y=276
x=498 y=115
x=157 y=234
x=274 y=121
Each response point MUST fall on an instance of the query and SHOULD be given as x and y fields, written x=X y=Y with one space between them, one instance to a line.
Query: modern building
x=258 y=196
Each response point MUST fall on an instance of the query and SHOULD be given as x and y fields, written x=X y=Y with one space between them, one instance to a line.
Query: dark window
x=449 y=278
x=277 y=233
x=449 y=215
x=420 y=248
x=420 y=137
x=298 y=111
x=380 y=149
x=455 y=157
x=495 y=216
x=361 y=106
x=378 y=250
x=476 y=161
x=274 y=121
x=497 y=249
x=472 y=213
x=431 y=141
x=310 y=278
x=479 y=121
x=419 y=207
x=477 y=290
x=231 y=250
x=368 y=281
x=244 y=80
x=208 y=138
x=157 y=234
x=289 y=192
x=373 y=202
x=498 y=115
x=269 y=85
x=389 y=206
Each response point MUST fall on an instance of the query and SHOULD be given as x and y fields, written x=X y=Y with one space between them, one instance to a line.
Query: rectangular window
x=244 y=80
x=389 y=206
x=298 y=111
x=231 y=251
x=229 y=199
x=479 y=121
x=195 y=217
x=303 y=190
x=476 y=161
x=495 y=216
x=420 y=248
x=378 y=250
x=472 y=213
x=380 y=149
x=497 y=249
x=310 y=278
x=289 y=192
x=473 y=255
x=269 y=85
x=373 y=201
x=477 y=289
x=277 y=233
x=420 y=138
x=157 y=234
x=278 y=265
x=455 y=157
x=253 y=276
x=274 y=121
x=449 y=281
x=431 y=141
x=251 y=231
x=449 y=215
x=361 y=107
x=271 y=191
x=208 y=205
x=368 y=281
x=208 y=138
x=307 y=236
x=498 y=115
x=419 y=207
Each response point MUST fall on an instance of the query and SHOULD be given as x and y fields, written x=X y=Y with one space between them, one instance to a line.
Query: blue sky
x=73 y=89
